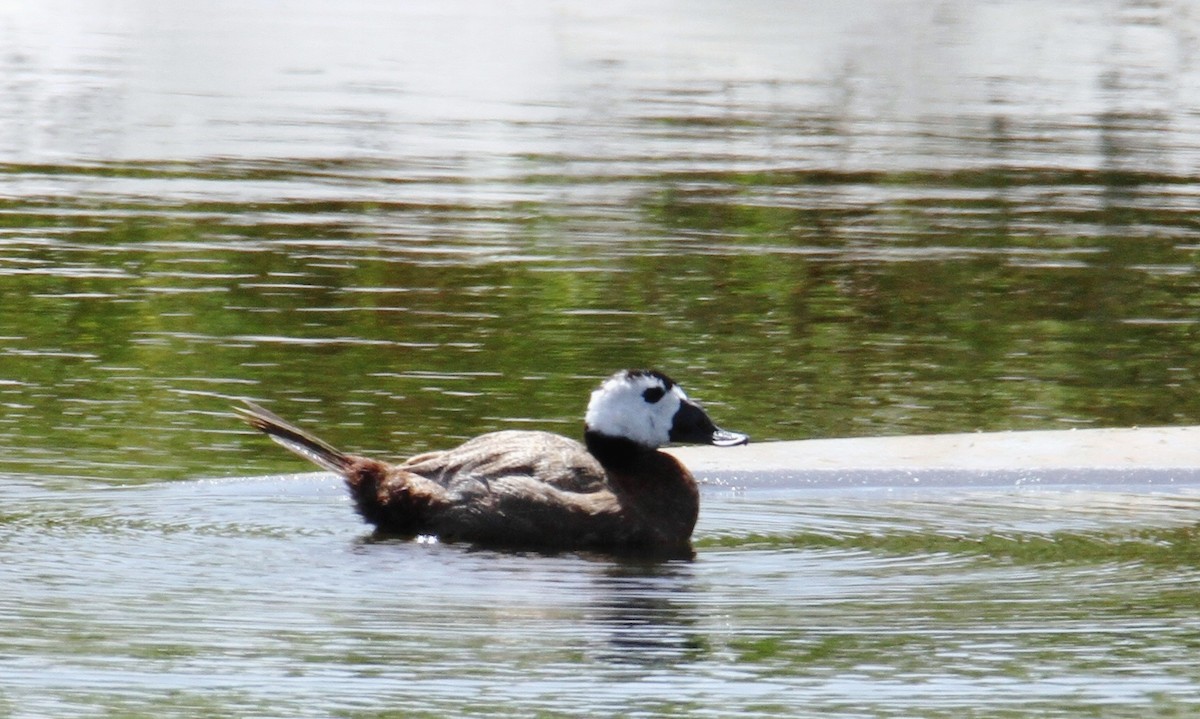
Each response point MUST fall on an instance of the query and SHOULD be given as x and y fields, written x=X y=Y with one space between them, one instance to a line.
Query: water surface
x=405 y=224
x=264 y=597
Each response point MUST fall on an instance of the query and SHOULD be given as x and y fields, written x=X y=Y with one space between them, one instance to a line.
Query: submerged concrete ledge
x=1151 y=455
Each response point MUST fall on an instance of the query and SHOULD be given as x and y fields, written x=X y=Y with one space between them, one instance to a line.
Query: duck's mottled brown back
x=550 y=458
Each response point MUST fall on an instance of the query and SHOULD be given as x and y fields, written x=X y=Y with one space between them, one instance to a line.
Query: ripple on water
x=270 y=592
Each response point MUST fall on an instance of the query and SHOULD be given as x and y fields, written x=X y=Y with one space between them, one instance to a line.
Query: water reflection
x=966 y=238
x=648 y=612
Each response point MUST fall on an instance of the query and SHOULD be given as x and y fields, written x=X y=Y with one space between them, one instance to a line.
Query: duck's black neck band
x=614 y=452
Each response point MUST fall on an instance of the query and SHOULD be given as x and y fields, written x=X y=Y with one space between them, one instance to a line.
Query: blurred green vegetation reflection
x=795 y=305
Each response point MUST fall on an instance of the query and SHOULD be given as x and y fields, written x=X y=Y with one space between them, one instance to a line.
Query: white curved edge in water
x=1138 y=455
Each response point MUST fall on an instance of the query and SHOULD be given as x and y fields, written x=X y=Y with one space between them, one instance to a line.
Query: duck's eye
x=653 y=394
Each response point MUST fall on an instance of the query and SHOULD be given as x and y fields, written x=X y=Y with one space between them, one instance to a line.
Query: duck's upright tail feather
x=288 y=435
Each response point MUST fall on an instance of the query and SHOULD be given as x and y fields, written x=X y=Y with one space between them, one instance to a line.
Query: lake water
x=403 y=224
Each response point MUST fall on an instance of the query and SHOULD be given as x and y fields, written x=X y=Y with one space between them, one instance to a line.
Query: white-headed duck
x=530 y=489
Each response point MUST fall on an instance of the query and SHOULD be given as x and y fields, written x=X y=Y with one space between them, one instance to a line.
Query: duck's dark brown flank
x=518 y=489
x=650 y=505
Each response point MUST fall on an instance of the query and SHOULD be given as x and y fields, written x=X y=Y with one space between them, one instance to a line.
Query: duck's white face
x=650 y=409
x=635 y=405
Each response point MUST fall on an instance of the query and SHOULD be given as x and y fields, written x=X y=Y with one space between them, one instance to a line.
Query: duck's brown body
x=517 y=489
x=530 y=489
x=533 y=490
